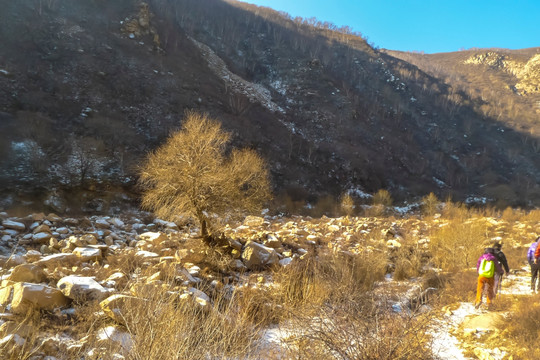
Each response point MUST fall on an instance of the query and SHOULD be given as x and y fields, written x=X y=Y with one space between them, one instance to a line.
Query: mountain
x=88 y=88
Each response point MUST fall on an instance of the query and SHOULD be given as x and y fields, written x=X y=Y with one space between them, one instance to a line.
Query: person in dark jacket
x=486 y=281
x=504 y=263
x=534 y=267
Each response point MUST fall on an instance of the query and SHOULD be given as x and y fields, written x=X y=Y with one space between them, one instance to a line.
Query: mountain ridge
x=353 y=117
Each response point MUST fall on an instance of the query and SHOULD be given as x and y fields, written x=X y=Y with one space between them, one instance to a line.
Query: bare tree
x=192 y=175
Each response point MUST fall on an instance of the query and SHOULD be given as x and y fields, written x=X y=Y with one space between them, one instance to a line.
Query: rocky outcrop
x=527 y=73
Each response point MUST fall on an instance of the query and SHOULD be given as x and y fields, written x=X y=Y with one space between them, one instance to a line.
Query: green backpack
x=487 y=268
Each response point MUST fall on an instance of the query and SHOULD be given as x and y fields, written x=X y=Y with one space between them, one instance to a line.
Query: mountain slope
x=327 y=111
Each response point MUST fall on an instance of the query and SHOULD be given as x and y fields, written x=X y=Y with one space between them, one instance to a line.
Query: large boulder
x=81 y=288
x=26 y=296
x=256 y=256
x=27 y=273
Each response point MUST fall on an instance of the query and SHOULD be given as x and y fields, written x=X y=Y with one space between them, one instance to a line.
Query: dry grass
x=457 y=245
x=523 y=327
x=459 y=286
x=360 y=331
x=318 y=279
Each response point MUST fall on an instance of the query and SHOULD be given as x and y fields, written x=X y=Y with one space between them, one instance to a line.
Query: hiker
x=502 y=261
x=486 y=267
x=534 y=267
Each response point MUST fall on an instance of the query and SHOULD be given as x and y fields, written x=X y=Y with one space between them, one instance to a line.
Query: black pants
x=534 y=276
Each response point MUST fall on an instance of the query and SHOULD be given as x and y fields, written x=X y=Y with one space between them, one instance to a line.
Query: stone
x=41 y=238
x=286 y=261
x=13 y=343
x=102 y=224
x=253 y=221
x=28 y=296
x=153 y=237
x=52 y=217
x=43 y=228
x=117 y=223
x=15 y=260
x=63 y=230
x=272 y=241
x=81 y=288
x=393 y=244
x=87 y=253
x=51 y=260
x=14 y=225
x=113 y=334
x=88 y=239
x=200 y=297
x=257 y=256
x=27 y=273
x=189 y=255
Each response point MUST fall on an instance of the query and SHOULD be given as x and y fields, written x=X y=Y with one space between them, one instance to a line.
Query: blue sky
x=427 y=25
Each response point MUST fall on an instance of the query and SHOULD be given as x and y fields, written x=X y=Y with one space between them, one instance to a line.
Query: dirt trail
x=463 y=327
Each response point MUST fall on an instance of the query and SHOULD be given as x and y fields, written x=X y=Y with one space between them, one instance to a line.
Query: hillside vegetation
x=86 y=91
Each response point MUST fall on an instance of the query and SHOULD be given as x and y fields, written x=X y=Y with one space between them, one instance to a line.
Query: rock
x=123 y=308
x=15 y=260
x=200 y=297
x=41 y=238
x=28 y=296
x=253 y=221
x=146 y=254
x=52 y=217
x=87 y=253
x=117 y=223
x=393 y=244
x=38 y=216
x=27 y=273
x=42 y=228
x=102 y=224
x=117 y=279
x=55 y=259
x=188 y=255
x=113 y=334
x=257 y=256
x=13 y=344
x=63 y=230
x=14 y=225
x=81 y=288
x=272 y=241
x=88 y=239
x=153 y=237
x=286 y=261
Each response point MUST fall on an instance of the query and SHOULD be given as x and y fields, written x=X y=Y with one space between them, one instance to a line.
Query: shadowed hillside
x=86 y=90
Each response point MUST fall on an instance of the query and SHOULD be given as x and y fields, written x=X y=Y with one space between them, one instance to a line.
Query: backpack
x=487 y=268
x=532 y=249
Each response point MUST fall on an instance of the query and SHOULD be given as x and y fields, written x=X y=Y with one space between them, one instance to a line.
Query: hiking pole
x=499 y=285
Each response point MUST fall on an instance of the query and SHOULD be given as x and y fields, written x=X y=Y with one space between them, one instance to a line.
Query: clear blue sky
x=427 y=25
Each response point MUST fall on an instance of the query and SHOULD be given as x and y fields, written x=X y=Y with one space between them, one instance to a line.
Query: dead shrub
x=457 y=245
x=333 y=277
x=361 y=332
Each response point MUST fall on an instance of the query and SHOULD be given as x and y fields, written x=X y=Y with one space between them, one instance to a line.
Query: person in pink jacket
x=486 y=280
